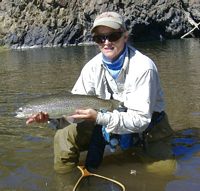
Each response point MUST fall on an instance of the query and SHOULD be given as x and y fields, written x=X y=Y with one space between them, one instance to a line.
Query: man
x=118 y=72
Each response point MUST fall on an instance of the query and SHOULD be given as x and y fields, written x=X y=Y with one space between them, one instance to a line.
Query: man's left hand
x=85 y=114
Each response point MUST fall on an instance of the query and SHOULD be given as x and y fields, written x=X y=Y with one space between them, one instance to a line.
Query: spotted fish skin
x=64 y=105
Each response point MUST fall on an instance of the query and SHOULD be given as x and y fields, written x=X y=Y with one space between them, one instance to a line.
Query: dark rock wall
x=63 y=22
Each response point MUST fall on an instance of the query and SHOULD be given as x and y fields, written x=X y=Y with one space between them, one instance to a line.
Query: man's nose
x=106 y=41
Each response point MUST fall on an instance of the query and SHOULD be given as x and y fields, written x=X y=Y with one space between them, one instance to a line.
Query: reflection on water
x=26 y=153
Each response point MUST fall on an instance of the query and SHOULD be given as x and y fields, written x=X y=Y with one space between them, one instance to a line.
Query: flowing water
x=26 y=152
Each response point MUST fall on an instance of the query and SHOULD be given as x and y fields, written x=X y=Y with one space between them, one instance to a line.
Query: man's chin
x=109 y=55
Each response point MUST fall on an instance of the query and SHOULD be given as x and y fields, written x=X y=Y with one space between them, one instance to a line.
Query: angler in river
x=118 y=72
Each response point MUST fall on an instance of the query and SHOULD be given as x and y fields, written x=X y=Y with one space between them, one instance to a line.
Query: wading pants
x=71 y=140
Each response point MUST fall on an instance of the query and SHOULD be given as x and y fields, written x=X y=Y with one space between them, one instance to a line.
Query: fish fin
x=72 y=120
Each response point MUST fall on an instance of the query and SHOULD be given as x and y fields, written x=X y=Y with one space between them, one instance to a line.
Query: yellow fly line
x=86 y=173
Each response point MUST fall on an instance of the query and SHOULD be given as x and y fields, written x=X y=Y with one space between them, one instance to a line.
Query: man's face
x=111 y=49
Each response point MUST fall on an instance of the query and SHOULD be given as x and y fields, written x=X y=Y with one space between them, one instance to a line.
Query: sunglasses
x=112 y=37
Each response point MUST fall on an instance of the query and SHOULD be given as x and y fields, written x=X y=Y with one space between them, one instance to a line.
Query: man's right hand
x=38 y=118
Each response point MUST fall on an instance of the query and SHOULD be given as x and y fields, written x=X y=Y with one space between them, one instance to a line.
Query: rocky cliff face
x=64 y=22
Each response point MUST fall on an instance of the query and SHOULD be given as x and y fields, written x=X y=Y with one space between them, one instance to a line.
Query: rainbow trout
x=62 y=106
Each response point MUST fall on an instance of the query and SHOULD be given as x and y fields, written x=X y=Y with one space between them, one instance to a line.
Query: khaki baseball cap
x=109 y=19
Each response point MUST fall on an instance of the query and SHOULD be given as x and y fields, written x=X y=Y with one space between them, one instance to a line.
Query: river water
x=26 y=152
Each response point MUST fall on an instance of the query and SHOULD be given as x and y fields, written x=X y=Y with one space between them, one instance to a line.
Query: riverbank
x=49 y=23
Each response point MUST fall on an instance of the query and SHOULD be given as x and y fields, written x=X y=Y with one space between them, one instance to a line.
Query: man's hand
x=85 y=114
x=38 y=118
